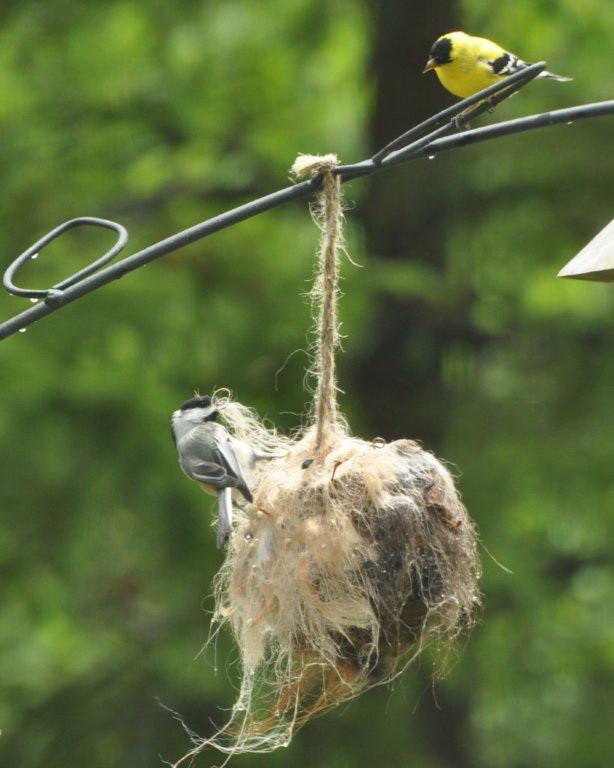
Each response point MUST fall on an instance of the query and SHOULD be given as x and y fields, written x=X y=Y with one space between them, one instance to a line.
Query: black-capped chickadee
x=209 y=455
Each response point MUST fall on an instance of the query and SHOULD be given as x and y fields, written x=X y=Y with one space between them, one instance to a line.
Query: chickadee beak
x=430 y=64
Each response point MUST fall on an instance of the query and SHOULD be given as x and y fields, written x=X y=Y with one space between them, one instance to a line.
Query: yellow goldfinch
x=466 y=64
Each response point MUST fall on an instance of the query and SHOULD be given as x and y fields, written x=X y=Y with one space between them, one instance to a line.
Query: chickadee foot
x=222 y=538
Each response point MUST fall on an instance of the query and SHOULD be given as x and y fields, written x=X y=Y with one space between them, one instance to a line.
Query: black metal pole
x=168 y=245
x=430 y=144
x=520 y=125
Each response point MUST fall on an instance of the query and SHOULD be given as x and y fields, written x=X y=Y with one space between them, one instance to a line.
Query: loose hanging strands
x=353 y=556
x=325 y=292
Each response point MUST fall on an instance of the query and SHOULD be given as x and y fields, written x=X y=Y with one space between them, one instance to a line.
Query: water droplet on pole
x=22 y=330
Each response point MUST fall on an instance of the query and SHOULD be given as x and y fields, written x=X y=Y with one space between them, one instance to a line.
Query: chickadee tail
x=224 y=516
x=552 y=76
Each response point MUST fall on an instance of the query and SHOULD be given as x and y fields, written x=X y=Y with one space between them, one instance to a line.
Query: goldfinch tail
x=552 y=76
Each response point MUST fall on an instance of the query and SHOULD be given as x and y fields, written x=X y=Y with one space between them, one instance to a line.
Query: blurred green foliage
x=161 y=114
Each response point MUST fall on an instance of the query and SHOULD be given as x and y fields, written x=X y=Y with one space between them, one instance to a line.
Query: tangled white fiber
x=351 y=557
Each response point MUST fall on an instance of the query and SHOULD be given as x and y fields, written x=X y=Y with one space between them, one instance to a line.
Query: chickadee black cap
x=197 y=402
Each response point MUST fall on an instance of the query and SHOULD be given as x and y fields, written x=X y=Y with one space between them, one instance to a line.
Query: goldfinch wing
x=499 y=61
x=506 y=64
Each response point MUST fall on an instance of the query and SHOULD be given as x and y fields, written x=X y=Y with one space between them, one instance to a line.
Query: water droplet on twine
x=248 y=536
x=569 y=122
x=22 y=330
x=34 y=256
x=34 y=301
x=431 y=157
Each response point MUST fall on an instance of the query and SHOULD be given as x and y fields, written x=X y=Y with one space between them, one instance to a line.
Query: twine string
x=325 y=293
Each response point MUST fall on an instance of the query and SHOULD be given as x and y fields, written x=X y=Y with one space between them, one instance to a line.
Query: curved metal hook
x=54 y=293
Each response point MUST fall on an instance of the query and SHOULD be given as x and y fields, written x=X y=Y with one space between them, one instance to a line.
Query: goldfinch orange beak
x=430 y=64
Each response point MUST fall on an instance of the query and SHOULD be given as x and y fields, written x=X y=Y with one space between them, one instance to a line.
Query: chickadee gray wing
x=211 y=474
x=228 y=459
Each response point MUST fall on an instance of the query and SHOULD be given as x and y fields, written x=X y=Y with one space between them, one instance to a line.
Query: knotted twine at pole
x=328 y=214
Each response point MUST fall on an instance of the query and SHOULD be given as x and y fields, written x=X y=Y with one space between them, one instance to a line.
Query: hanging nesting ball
x=352 y=556
x=341 y=570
